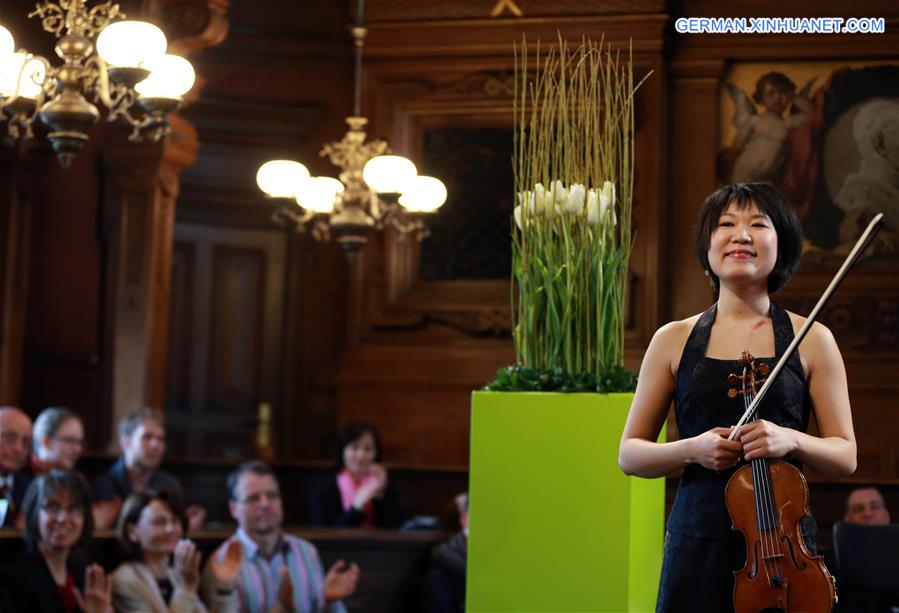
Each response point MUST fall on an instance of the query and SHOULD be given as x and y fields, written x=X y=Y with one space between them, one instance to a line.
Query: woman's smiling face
x=743 y=245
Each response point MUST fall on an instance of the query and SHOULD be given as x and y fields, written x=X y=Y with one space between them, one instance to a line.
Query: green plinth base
x=554 y=523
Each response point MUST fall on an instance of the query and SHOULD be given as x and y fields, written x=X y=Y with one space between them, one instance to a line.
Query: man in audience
x=443 y=589
x=142 y=439
x=865 y=506
x=15 y=447
x=279 y=572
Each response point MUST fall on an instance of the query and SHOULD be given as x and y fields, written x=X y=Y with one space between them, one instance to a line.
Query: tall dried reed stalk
x=574 y=174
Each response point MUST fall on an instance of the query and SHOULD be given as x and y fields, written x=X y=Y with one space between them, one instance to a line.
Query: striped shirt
x=257 y=583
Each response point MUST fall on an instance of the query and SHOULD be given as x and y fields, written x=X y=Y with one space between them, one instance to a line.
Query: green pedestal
x=554 y=523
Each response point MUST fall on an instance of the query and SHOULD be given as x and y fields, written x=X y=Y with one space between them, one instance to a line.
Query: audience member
x=15 y=445
x=360 y=493
x=49 y=578
x=142 y=439
x=444 y=584
x=58 y=440
x=279 y=572
x=160 y=571
x=865 y=506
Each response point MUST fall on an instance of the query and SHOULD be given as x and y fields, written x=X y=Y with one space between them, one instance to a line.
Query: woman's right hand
x=373 y=488
x=187 y=563
x=712 y=450
x=97 y=596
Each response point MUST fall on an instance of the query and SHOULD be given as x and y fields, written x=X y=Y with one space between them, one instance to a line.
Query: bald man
x=15 y=445
x=865 y=505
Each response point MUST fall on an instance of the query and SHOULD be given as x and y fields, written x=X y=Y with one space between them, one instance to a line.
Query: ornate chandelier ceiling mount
x=375 y=189
x=120 y=64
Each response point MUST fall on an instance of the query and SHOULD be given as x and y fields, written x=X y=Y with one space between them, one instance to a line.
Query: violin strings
x=762 y=478
x=759 y=507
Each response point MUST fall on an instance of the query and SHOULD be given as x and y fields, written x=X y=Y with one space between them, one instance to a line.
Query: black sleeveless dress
x=701 y=549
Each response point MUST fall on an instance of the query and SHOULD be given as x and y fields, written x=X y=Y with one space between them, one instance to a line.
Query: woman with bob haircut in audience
x=58 y=440
x=359 y=494
x=50 y=578
x=160 y=572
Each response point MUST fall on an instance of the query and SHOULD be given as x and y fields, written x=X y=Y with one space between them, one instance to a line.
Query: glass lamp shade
x=30 y=77
x=131 y=44
x=7 y=45
x=319 y=194
x=281 y=178
x=424 y=195
x=388 y=173
x=171 y=77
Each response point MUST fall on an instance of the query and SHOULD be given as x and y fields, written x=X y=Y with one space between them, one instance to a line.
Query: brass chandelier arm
x=406 y=225
x=70 y=15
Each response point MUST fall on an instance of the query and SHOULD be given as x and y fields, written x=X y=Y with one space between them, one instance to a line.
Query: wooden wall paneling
x=280 y=86
x=62 y=345
x=15 y=221
x=435 y=341
x=693 y=100
x=229 y=325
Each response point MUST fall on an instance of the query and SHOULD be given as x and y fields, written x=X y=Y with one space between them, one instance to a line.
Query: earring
x=706 y=272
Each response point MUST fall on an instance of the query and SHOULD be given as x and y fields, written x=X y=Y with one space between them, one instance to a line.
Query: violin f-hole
x=798 y=564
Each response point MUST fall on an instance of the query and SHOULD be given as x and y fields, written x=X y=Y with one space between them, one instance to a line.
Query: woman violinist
x=748 y=241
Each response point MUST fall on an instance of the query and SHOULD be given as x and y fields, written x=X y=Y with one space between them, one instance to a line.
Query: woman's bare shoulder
x=819 y=337
x=669 y=340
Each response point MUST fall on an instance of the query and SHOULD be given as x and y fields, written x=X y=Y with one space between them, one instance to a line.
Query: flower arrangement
x=571 y=236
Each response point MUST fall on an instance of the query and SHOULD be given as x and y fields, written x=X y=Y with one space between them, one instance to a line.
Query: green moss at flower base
x=517 y=378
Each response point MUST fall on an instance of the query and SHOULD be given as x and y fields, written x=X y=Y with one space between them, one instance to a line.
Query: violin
x=767 y=501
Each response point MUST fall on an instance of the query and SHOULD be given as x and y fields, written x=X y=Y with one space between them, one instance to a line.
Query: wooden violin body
x=780 y=572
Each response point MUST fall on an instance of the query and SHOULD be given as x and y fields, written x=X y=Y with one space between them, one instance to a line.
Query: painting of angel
x=760 y=145
x=832 y=146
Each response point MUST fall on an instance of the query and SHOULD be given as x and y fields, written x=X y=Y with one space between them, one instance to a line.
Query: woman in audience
x=160 y=570
x=49 y=578
x=58 y=440
x=360 y=493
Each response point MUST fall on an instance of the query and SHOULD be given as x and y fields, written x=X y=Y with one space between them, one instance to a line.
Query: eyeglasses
x=51 y=508
x=70 y=440
x=257 y=498
x=10 y=438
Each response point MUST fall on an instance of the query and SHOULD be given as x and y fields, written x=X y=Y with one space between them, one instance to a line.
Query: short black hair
x=256 y=467
x=42 y=489
x=771 y=202
x=351 y=433
x=132 y=508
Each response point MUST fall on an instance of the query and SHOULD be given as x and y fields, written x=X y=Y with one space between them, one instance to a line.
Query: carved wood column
x=141 y=190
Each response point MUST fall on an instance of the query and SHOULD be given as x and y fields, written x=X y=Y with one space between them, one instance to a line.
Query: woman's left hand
x=763 y=439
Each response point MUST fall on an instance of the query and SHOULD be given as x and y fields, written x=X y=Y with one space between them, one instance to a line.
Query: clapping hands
x=97 y=596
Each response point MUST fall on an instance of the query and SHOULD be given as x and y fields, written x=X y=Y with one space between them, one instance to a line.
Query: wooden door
x=225 y=338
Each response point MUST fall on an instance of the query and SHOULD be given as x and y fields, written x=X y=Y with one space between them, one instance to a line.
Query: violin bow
x=866 y=237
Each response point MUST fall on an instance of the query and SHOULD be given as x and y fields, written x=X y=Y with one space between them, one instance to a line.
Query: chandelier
x=127 y=70
x=375 y=189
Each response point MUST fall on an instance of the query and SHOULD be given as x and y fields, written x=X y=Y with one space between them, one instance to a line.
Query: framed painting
x=827 y=134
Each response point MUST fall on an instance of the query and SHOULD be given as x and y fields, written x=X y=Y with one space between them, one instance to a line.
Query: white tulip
x=604 y=201
x=593 y=215
x=560 y=194
x=608 y=191
x=516 y=213
x=575 y=201
x=543 y=201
